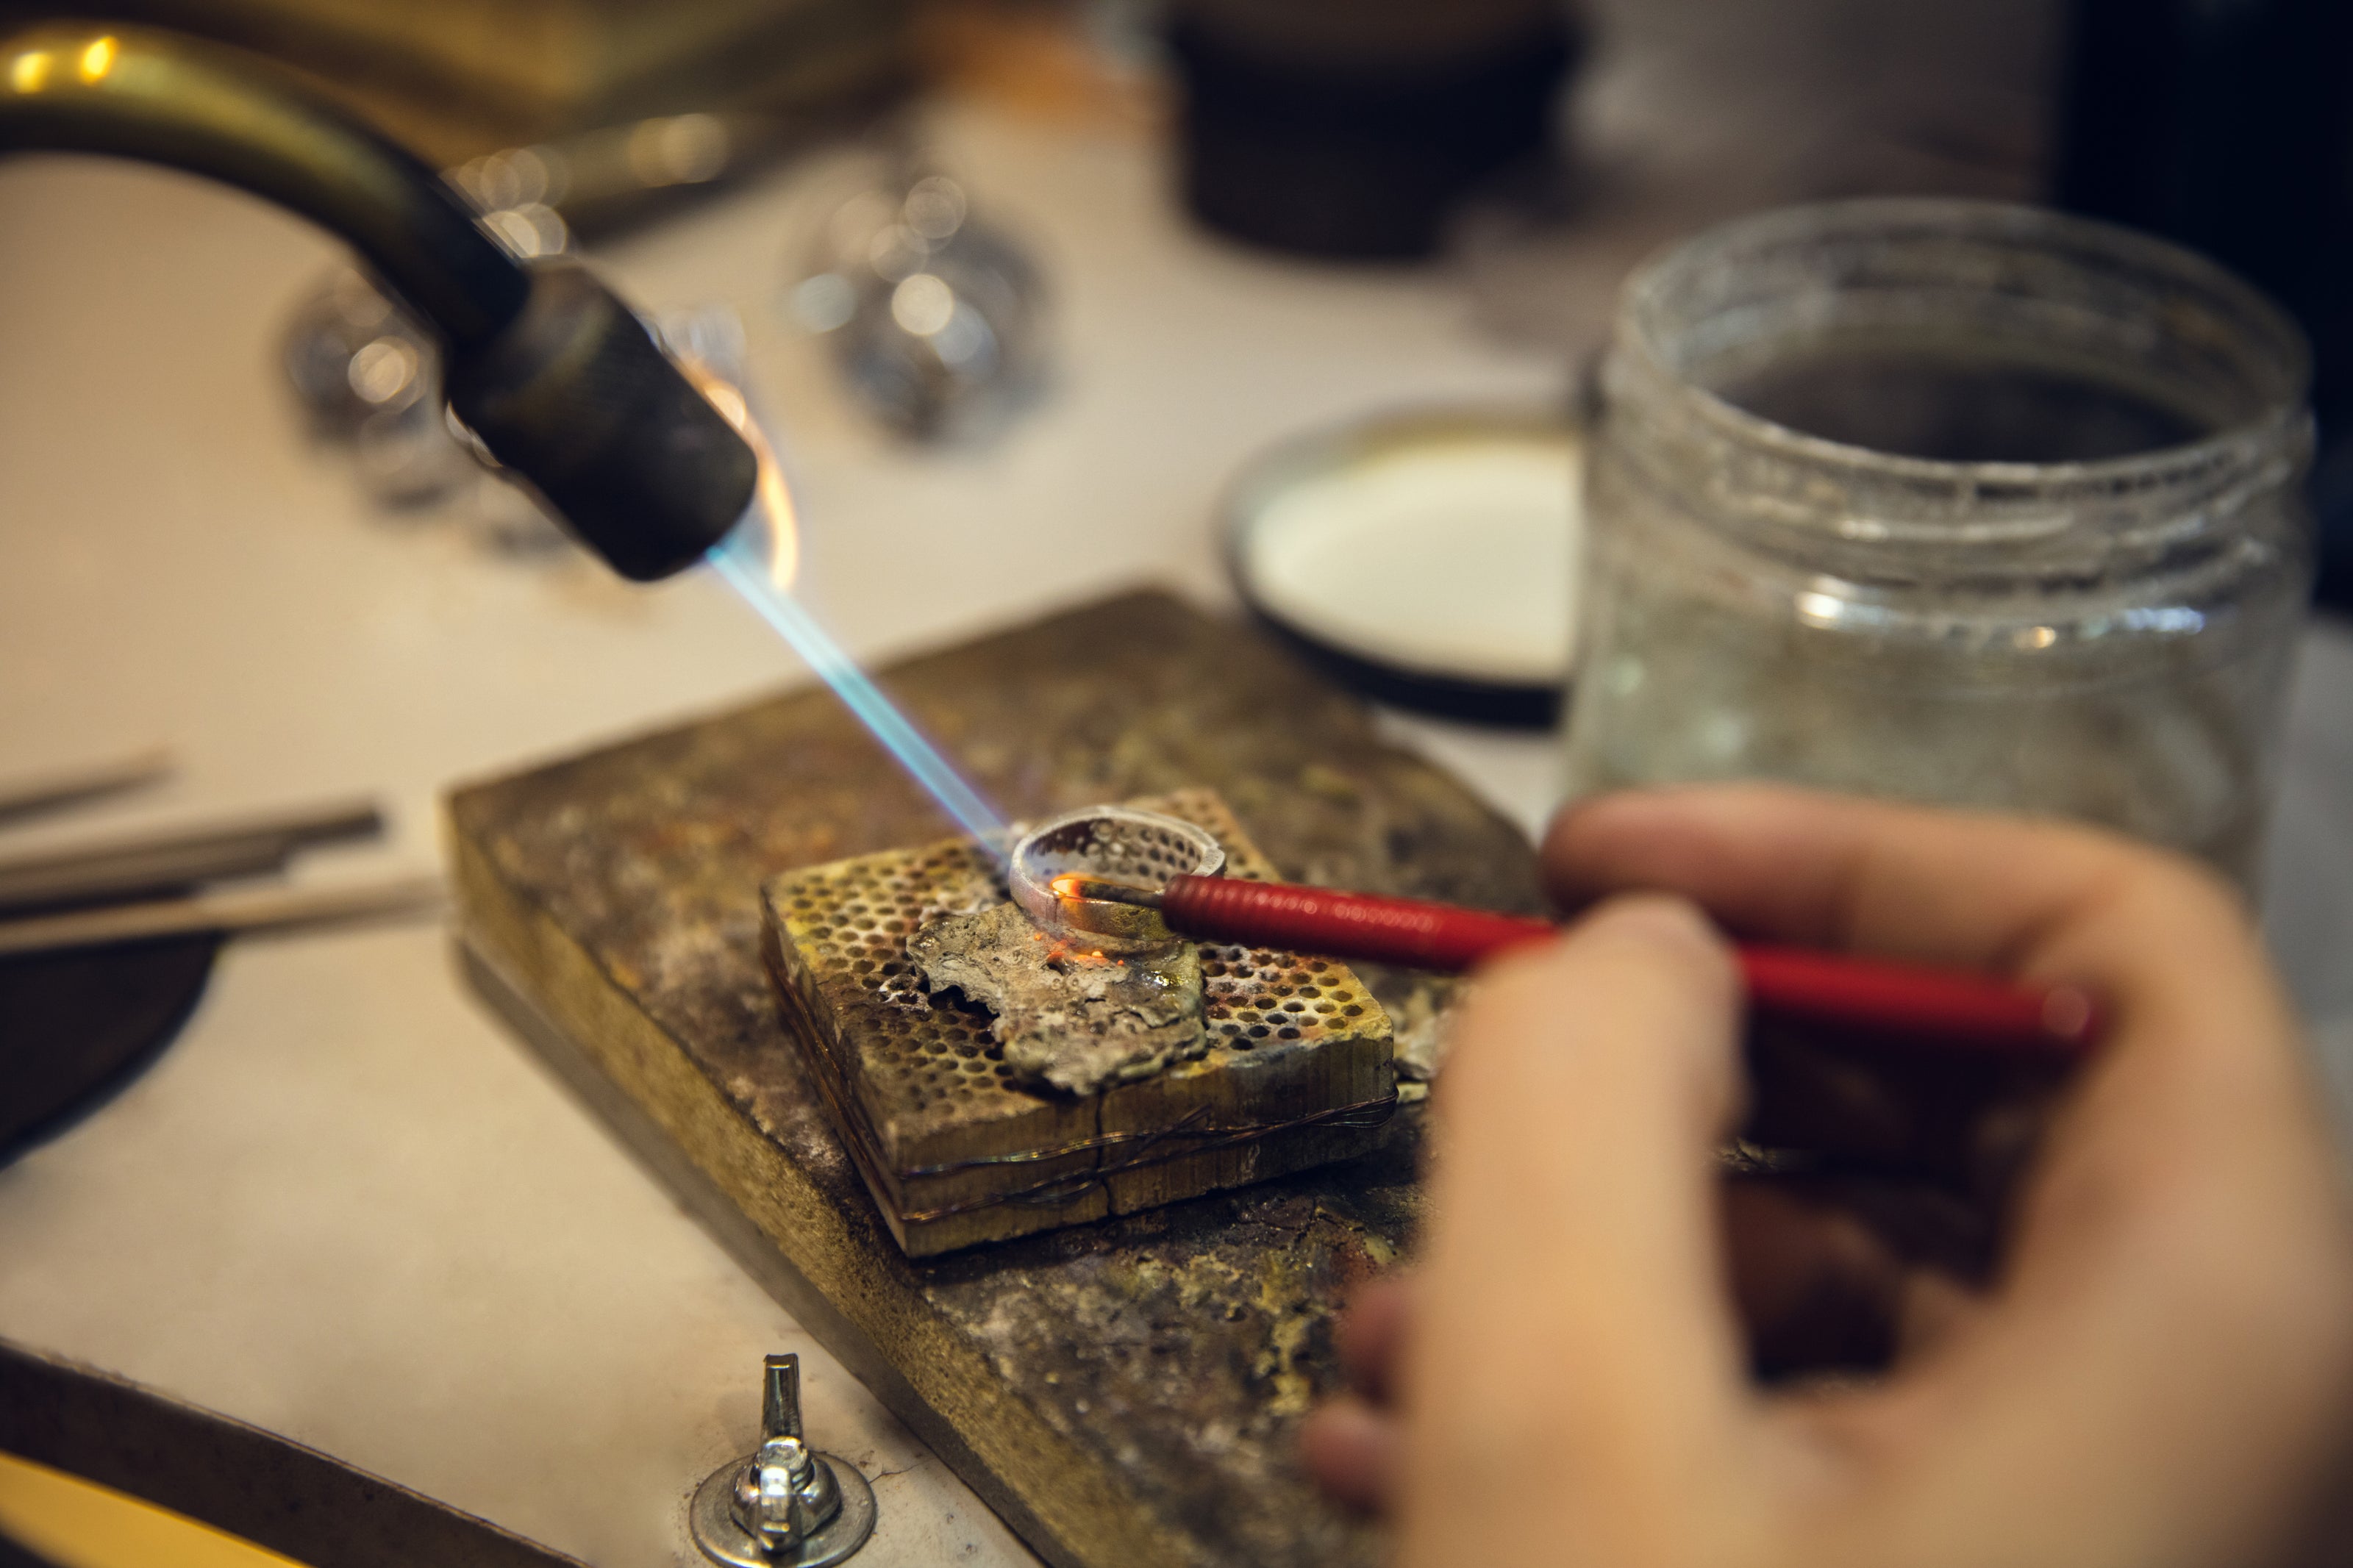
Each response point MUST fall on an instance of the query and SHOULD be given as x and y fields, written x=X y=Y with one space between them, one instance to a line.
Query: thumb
x=1575 y=1321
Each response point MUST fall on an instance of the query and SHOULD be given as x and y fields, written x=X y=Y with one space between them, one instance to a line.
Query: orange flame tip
x=769 y=496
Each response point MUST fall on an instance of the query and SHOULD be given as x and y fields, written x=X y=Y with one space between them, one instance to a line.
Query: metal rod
x=172 y=862
x=268 y=910
x=52 y=792
x=780 y=1401
x=1141 y=897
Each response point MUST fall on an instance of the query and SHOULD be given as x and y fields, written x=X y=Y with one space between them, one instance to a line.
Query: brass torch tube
x=140 y=93
x=559 y=379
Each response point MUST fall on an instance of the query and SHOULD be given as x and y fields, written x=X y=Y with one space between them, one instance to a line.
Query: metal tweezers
x=151 y=886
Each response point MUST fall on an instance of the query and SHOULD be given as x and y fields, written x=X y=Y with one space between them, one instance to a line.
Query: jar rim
x=2280 y=416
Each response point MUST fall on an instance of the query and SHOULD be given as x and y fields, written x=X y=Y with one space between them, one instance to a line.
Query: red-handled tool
x=1941 y=1006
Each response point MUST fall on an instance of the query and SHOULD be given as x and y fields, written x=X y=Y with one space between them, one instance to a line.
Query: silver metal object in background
x=786 y=1505
x=368 y=376
x=935 y=320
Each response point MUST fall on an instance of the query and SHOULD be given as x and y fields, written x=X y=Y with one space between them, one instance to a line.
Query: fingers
x=1966 y=1120
x=2197 y=1026
x=1833 y=1275
x=2172 y=1334
x=1815 y=1289
x=1371 y=1337
x=2172 y=1330
x=1834 y=871
x=1353 y=1442
x=1824 y=1276
x=1571 y=1318
x=1355 y=1453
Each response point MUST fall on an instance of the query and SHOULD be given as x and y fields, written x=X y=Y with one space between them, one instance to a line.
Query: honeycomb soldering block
x=955 y=1151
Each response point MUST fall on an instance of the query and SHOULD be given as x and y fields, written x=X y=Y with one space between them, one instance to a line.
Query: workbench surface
x=345 y=1204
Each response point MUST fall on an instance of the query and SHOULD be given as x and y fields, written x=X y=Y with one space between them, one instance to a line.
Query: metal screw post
x=785 y=1506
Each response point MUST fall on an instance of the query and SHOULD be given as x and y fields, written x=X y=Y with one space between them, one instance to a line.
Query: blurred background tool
x=115 y=871
x=105 y=947
x=215 y=914
x=32 y=797
x=934 y=318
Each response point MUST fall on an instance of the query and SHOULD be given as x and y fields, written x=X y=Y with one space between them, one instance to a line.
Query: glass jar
x=1948 y=501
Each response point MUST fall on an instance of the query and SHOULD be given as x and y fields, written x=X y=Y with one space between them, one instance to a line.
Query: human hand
x=2156 y=1373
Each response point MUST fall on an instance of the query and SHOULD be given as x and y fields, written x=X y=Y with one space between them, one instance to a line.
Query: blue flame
x=740 y=558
